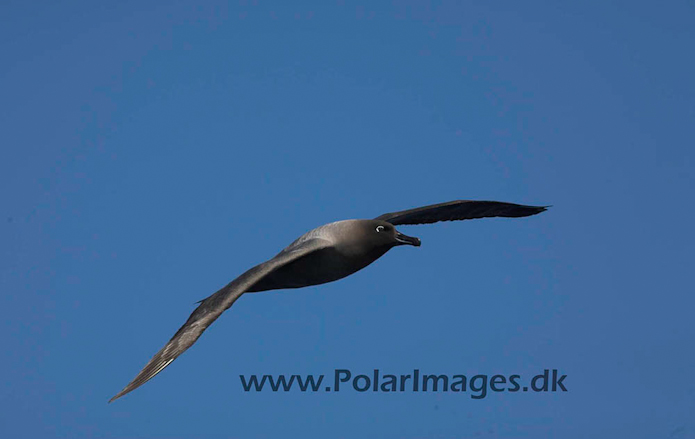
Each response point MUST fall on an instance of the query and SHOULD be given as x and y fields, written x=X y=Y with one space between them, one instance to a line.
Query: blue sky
x=150 y=154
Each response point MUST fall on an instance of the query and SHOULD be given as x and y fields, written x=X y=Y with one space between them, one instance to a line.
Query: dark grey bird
x=325 y=254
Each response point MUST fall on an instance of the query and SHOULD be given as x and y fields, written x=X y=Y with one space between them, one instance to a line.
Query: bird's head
x=384 y=233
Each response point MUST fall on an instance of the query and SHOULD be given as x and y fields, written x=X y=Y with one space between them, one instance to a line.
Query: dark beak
x=409 y=240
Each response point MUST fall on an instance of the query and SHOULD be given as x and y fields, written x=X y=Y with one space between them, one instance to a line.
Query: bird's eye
x=379 y=228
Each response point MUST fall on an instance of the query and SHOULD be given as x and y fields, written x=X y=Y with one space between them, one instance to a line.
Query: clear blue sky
x=150 y=154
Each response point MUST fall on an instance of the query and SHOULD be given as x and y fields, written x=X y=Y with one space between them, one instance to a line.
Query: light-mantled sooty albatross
x=325 y=254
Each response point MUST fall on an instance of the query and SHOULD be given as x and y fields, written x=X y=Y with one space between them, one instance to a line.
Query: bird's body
x=339 y=253
x=324 y=254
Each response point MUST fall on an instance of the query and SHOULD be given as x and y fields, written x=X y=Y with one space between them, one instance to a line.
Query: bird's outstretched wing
x=211 y=308
x=459 y=210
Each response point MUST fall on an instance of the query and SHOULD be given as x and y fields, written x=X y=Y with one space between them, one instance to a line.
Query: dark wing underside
x=459 y=210
x=212 y=307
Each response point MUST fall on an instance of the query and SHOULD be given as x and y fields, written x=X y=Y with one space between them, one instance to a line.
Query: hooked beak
x=405 y=239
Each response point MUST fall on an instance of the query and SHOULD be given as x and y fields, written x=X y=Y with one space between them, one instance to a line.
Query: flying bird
x=325 y=254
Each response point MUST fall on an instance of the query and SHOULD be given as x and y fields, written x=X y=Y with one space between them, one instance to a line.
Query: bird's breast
x=319 y=267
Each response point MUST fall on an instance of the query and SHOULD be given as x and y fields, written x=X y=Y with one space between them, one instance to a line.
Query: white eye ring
x=379 y=228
